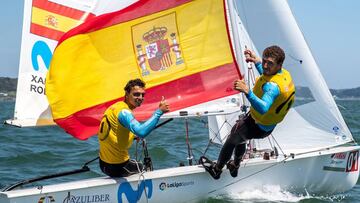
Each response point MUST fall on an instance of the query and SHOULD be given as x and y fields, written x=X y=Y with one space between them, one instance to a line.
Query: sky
x=331 y=28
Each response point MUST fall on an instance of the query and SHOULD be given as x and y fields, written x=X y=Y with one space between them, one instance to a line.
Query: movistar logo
x=133 y=196
x=42 y=50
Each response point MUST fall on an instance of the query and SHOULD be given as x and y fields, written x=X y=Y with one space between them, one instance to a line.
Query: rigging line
x=141 y=175
x=163 y=123
x=322 y=149
x=141 y=178
x=252 y=74
x=136 y=150
x=85 y=165
x=207 y=125
x=225 y=122
x=278 y=144
x=236 y=125
x=210 y=140
x=45 y=177
x=271 y=144
x=137 y=140
x=147 y=159
x=216 y=135
x=190 y=153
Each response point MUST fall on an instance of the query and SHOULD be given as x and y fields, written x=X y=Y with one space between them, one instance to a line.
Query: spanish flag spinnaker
x=180 y=48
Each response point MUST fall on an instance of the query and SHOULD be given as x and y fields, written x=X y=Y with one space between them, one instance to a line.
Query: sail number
x=352 y=162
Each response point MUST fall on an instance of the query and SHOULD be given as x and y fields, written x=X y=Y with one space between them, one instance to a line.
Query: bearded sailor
x=271 y=99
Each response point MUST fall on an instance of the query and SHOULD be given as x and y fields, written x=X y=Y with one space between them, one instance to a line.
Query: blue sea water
x=31 y=152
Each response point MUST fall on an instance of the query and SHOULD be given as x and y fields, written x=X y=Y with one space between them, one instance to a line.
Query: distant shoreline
x=8 y=91
x=336 y=99
x=11 y=96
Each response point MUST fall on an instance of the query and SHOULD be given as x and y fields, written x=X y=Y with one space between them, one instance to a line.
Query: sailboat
x=311 y=151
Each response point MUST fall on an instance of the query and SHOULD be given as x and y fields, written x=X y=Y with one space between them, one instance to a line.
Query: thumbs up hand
x=164 y=106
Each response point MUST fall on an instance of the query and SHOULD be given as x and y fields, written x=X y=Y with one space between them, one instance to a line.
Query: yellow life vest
x=114 y=139
x=282 y=103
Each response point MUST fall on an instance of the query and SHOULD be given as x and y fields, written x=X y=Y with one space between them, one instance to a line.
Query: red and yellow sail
x=180 y=48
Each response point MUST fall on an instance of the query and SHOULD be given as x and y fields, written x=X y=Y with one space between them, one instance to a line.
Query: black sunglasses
x=137 y=94
x=270 y=63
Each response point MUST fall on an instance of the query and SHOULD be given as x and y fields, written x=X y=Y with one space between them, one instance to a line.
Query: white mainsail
x=322 y=117
x=31 y=106
x=316 y=124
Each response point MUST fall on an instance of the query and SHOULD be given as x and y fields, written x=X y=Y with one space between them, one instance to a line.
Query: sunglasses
x=137 y=94
x=270 y=63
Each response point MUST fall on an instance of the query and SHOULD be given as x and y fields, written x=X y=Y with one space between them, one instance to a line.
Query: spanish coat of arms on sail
x=156 y=46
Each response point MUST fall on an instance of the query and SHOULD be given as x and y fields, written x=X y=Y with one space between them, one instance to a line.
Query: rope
x=141 y=178
x=141 y=172
x=190 y=153
x=216 y=135
x=85 y=165
x=136 y=150
x=277 y=144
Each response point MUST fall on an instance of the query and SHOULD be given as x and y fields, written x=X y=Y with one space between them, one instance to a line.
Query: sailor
x=118 y=128
x=271 y=99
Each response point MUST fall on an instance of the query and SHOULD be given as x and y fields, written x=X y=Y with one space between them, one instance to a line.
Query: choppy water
x=31 y=152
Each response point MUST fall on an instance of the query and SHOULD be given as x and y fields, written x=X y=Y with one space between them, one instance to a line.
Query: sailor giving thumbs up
x=164 y=106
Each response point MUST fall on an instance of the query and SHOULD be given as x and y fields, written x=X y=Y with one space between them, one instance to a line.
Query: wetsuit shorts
x=127 y=168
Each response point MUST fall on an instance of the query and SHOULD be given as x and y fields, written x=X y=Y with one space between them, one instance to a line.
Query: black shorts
x=247 y=129
x=127 y=168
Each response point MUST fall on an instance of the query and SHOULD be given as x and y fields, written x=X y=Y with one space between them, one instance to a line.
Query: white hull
x=323 y=172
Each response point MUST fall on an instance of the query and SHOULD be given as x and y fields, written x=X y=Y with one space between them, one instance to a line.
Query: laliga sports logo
x=162 y=186
x=133 y=196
